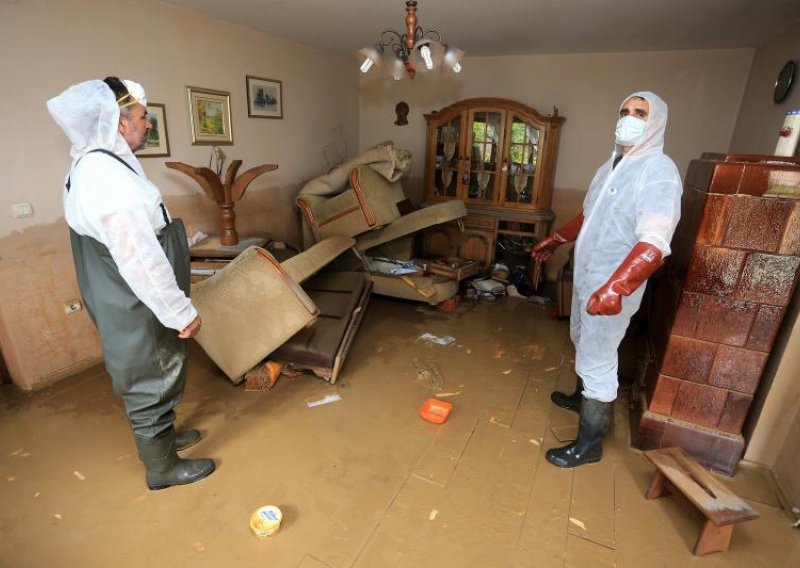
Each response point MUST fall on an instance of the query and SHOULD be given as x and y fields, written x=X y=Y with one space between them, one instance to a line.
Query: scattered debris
x=319 y=401
x=575 y=521
x=10 y=478
x=549 y=369
x=535 y=441
x=16 y=452
x=439 y=340
x=541 y=300
x=199 y=546
x=58 y=516
x=428 y=374
x=433 y=514
x=79 y=475
x=512 y=292
x=533 y=351
x=263 y=377
x=123 y=457
x=36 y=495
x=508 y=372
x=25 y=455
x=446 y=394
x=469 y=351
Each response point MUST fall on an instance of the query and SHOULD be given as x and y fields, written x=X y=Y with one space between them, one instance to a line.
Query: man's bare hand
x=191 y=330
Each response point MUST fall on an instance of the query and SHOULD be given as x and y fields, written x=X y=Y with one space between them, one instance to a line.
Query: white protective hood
x=653 y=140
x=88 y=114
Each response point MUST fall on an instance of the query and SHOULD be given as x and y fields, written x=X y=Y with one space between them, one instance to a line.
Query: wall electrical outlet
x=22 y=210
x=72 y=306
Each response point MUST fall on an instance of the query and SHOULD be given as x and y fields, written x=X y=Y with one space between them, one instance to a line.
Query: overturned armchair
x=358 y=228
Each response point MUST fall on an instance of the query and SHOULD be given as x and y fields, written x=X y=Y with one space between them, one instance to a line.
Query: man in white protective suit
x=132 y=263
x=621 y=237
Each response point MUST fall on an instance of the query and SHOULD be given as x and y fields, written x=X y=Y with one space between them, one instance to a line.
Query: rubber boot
x=186 y=439
x=569 y=401
x=588 y=447
x=164 y=467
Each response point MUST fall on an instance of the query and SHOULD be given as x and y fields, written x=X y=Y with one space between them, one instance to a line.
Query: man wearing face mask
x=621 y=237
x=132 y=263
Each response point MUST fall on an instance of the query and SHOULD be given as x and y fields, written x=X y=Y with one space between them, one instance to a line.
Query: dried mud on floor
x=362 y=481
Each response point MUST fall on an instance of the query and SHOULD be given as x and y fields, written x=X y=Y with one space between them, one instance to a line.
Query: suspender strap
x=127 y=165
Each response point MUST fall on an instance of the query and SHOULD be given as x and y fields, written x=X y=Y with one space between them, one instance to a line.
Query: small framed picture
x=264 y=98
x=157 y=140
x=209 y=116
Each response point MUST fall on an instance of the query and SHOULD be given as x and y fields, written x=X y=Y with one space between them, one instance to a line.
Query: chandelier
x=415 y=49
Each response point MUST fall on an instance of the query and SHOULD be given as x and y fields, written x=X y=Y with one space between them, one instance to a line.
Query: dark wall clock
x=783 y=84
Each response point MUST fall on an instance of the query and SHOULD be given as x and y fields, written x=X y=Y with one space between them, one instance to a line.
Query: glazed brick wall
x=741 y=274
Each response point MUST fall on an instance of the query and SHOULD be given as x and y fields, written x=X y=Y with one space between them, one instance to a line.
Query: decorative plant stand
x=225 y=194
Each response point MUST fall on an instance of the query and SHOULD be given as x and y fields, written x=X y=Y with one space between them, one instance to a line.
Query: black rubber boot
x=164 y=467
x=569 y=401
x=588 y=448
x=186 y=439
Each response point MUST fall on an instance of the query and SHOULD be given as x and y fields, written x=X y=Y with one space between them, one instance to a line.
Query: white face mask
x=630 y=130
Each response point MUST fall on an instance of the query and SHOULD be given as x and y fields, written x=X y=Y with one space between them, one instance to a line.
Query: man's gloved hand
x=566 y=234
x=637 y=267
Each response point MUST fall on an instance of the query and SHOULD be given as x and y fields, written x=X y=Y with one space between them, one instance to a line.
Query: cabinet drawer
x=480 y=222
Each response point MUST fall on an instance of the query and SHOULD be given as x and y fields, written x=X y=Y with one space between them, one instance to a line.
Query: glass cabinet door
x=480 y=178
x=523 y=156
x=445 y=181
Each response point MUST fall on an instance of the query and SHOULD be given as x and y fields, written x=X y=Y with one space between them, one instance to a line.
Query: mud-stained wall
x=39 y=340
x=48 y=46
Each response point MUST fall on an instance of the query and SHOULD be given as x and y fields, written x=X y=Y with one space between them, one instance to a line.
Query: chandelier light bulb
x=367 y=65
x=425 y=52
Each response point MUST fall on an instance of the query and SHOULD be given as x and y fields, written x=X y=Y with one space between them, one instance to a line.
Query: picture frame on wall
x=157 y=138
x=209 y=116
x=264 y=98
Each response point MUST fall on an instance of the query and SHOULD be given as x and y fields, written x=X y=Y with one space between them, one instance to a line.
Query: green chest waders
x=146 y=361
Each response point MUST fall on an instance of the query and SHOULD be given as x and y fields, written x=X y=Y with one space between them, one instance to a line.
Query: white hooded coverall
x=131 y=258
x=637 y=201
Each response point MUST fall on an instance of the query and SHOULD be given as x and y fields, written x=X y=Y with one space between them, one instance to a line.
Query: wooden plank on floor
x=311 y=562
x=543 y=538
x=475 y=520
x=440 y=459
x=582 y=553
x=533 y=411
x=592 y=514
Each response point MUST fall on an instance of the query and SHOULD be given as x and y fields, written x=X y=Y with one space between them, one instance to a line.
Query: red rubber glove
x=566 y=234
x=637 y=267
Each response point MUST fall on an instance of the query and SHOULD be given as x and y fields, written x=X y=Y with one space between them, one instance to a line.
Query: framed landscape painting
x=264 y=98
x=157 y=141
x=209 y=116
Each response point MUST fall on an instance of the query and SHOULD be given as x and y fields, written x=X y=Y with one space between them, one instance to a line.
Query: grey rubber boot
x=164 y=467
x=588 y=447
x=569 y=401
x=186 y=439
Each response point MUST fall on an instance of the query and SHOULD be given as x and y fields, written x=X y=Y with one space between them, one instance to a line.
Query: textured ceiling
x=506 y=27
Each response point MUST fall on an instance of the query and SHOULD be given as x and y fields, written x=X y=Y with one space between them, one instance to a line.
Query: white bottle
x=789 y=134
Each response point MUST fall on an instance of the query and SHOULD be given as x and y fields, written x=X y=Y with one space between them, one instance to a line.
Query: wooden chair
x=679 y=474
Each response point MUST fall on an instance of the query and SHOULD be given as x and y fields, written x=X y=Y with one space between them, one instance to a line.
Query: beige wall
x=703 y=90
x=47 y=46
x=775 y=440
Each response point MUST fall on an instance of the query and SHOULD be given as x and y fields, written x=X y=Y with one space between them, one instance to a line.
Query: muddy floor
x=363 y=481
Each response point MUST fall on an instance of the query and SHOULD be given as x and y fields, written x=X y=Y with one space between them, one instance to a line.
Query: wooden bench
x=678 y=473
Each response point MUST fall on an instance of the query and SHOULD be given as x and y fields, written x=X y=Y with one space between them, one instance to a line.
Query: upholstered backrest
x=248 y=309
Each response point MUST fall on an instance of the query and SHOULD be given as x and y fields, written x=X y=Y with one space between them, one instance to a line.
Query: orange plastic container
x=435 y=410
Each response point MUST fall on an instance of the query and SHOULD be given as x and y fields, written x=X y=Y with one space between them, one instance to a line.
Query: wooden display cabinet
x=499 y=157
